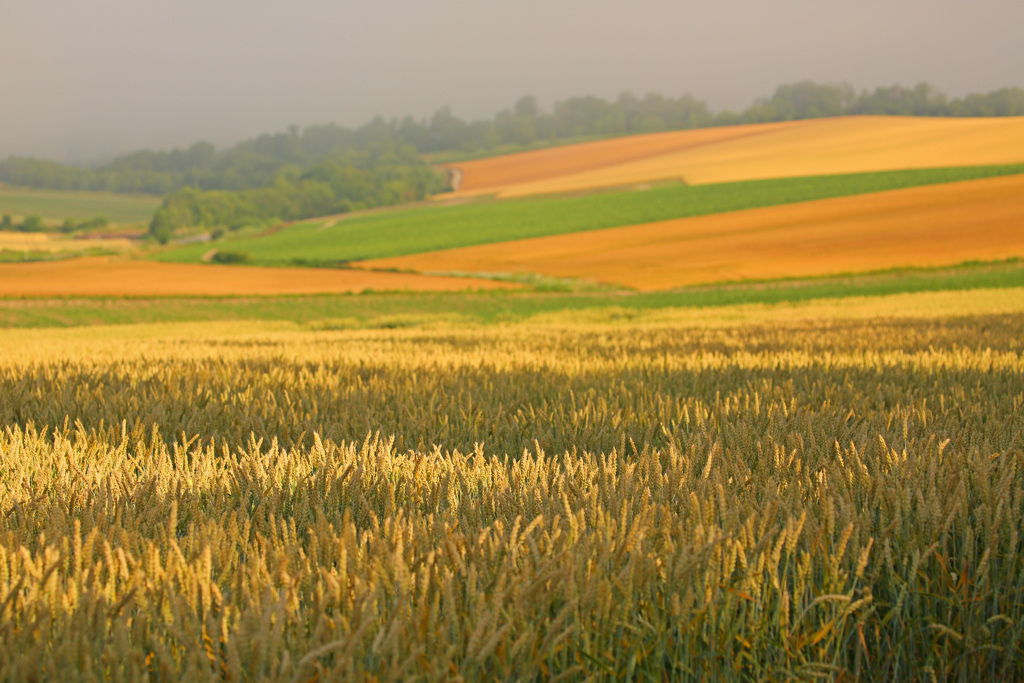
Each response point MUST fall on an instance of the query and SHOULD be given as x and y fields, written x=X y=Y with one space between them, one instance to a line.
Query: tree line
x=383 y=175
x=256 y=162
x=36 y=223
x=331 y=168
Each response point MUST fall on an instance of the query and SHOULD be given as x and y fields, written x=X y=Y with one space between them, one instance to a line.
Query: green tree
x=33 y=223
x=161 y=232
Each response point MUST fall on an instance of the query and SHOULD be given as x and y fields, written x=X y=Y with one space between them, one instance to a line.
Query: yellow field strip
x=923 y=226
x=33 y=345
x=482 y=176
x=38 y=241
x=109 y=277
x=855 y=144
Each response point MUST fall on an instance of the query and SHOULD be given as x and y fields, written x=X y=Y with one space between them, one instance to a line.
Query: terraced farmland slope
x=108 y=277
x=417 y=229
x=820 y=146
x=1003 y=281
x=925 y=226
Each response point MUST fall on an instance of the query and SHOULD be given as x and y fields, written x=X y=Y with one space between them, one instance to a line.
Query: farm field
x=924 y=226
x=824 y=489
x=831 y=146
x=39 y=243
x=733 y=404
x=104 y=276
x=420 y=229
x=474 y=308
x=56 y=205
x=496 y=173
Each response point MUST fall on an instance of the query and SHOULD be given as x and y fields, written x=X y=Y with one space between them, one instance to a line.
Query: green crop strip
x=55 y=205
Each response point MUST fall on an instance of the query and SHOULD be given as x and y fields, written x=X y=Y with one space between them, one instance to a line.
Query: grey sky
x=83 y=79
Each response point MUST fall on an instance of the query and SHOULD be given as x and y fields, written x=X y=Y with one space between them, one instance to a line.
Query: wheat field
x=831 y=490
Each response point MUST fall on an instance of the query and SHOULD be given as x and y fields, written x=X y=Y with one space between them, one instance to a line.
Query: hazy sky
x=84 y=79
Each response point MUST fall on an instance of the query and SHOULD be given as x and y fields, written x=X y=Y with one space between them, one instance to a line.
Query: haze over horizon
x=83 y=81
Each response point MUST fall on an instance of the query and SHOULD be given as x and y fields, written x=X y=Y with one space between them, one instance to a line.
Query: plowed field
x=107 y=277
x=803 y=148
x=924 y=226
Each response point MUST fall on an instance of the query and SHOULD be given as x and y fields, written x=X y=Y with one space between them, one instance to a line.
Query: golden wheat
x=830 y=498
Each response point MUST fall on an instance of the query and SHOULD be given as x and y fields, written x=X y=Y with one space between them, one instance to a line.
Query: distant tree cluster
x=380 y=176
x=809 y=100
x=94 y=223
x=35 y=223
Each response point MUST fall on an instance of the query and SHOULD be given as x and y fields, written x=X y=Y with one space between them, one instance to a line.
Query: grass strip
x=56 y=205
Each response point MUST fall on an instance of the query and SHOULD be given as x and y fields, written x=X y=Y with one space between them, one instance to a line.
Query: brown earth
x=853 y=144
x=110 y=277
x=924 y=226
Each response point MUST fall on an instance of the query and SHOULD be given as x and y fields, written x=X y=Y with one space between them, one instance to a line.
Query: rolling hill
x=924 y=226
x=842 y=145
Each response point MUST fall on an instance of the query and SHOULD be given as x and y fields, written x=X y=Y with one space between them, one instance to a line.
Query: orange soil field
x=108 y=277
x=852 y=144
x=923 y=226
